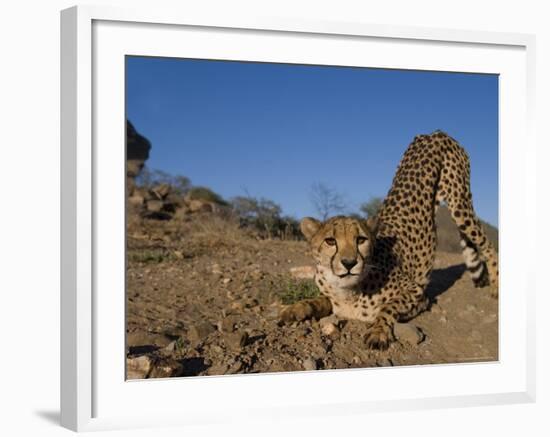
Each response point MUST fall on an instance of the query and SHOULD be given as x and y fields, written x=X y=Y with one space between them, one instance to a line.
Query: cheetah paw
x=379 y=336
x=296 y=312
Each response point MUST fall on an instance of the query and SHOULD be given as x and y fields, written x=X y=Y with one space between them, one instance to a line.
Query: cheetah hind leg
x=480 y=256
x=476 y=267
x=454 y=189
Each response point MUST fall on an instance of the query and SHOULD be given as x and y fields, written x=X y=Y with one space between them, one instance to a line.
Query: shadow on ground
x=443 y=279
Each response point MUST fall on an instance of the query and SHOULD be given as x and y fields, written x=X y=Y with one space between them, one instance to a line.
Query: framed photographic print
x=253 y=209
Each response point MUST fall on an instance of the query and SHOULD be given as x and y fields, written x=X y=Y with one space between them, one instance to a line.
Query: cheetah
x=377 y=270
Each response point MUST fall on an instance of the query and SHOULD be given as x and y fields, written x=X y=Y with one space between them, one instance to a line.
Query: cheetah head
x=342 y=247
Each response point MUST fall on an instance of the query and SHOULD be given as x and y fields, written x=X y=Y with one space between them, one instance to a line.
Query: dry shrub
x=213 y=230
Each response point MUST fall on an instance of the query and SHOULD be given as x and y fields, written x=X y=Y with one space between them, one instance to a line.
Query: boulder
x=154 y=205
x=200 y=331
x=196 y=205
x=136 y=200
x=138 y=367
x=235 y=340
x=408 y=333
x=161 y=191
x=137 y=150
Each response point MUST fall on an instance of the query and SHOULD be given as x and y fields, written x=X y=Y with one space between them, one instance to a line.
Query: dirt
x=203 y=298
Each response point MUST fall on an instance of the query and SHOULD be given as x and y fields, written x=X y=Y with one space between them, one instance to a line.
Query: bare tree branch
x=326 y=201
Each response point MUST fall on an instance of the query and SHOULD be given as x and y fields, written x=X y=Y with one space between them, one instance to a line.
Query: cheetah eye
x=330 y=241
x=361 y=240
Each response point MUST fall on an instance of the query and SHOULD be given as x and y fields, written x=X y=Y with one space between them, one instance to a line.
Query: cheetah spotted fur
x=376 y=270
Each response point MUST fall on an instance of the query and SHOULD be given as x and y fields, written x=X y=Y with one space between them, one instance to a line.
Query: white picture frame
x=94 y=41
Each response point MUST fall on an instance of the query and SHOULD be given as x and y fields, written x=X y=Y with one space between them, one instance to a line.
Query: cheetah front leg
x=315 y=308
x=398 y=305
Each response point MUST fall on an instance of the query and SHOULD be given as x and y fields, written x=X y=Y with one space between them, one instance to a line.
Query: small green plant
x=294 y=290
x=179 y=344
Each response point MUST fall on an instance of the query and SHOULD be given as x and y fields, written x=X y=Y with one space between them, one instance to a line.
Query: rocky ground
x=203 y=298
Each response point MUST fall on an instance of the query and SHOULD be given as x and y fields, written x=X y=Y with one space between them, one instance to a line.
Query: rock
x=329 y=330
x=181 y=212
x=154 y=205
x=226 y=281
x=302 y=272
x=384 y=362
x=196 y=205
x=218 y=369
x=236 y=367
x=161 y=191
x=166 y=368
x=237 y=306
x=137 y=150
x=329 y=326
x=138 y=367
x=174 y=346
x=227 y=324
x=250 y=302
x=235 y=340
x=136 y=200
x=309 y=364
x=171 y=347
x=330 y=319
x=405 y=332
x=200 y=331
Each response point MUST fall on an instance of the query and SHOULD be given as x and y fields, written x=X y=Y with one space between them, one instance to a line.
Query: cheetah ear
x=372 y=225
x=309 y=227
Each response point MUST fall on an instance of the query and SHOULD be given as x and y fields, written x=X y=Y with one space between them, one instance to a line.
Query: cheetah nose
x=348 y=263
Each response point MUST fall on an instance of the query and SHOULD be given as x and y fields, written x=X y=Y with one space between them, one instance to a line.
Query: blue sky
x=273 y=130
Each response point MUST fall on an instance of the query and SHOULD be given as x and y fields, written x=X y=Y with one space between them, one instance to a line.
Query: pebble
x=309 y=364
x=235 y=340
x=408 y=333
x=329 y=330
x=171 y=347
x=250 y=302
x=238 y=306
x=235 y=367
x=330 y=326
x=166 y=368
x=226 y=281
x=138 y=368
x=200 y=331
x=227 y=324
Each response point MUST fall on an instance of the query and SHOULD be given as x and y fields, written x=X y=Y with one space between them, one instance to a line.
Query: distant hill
x=448 y=236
